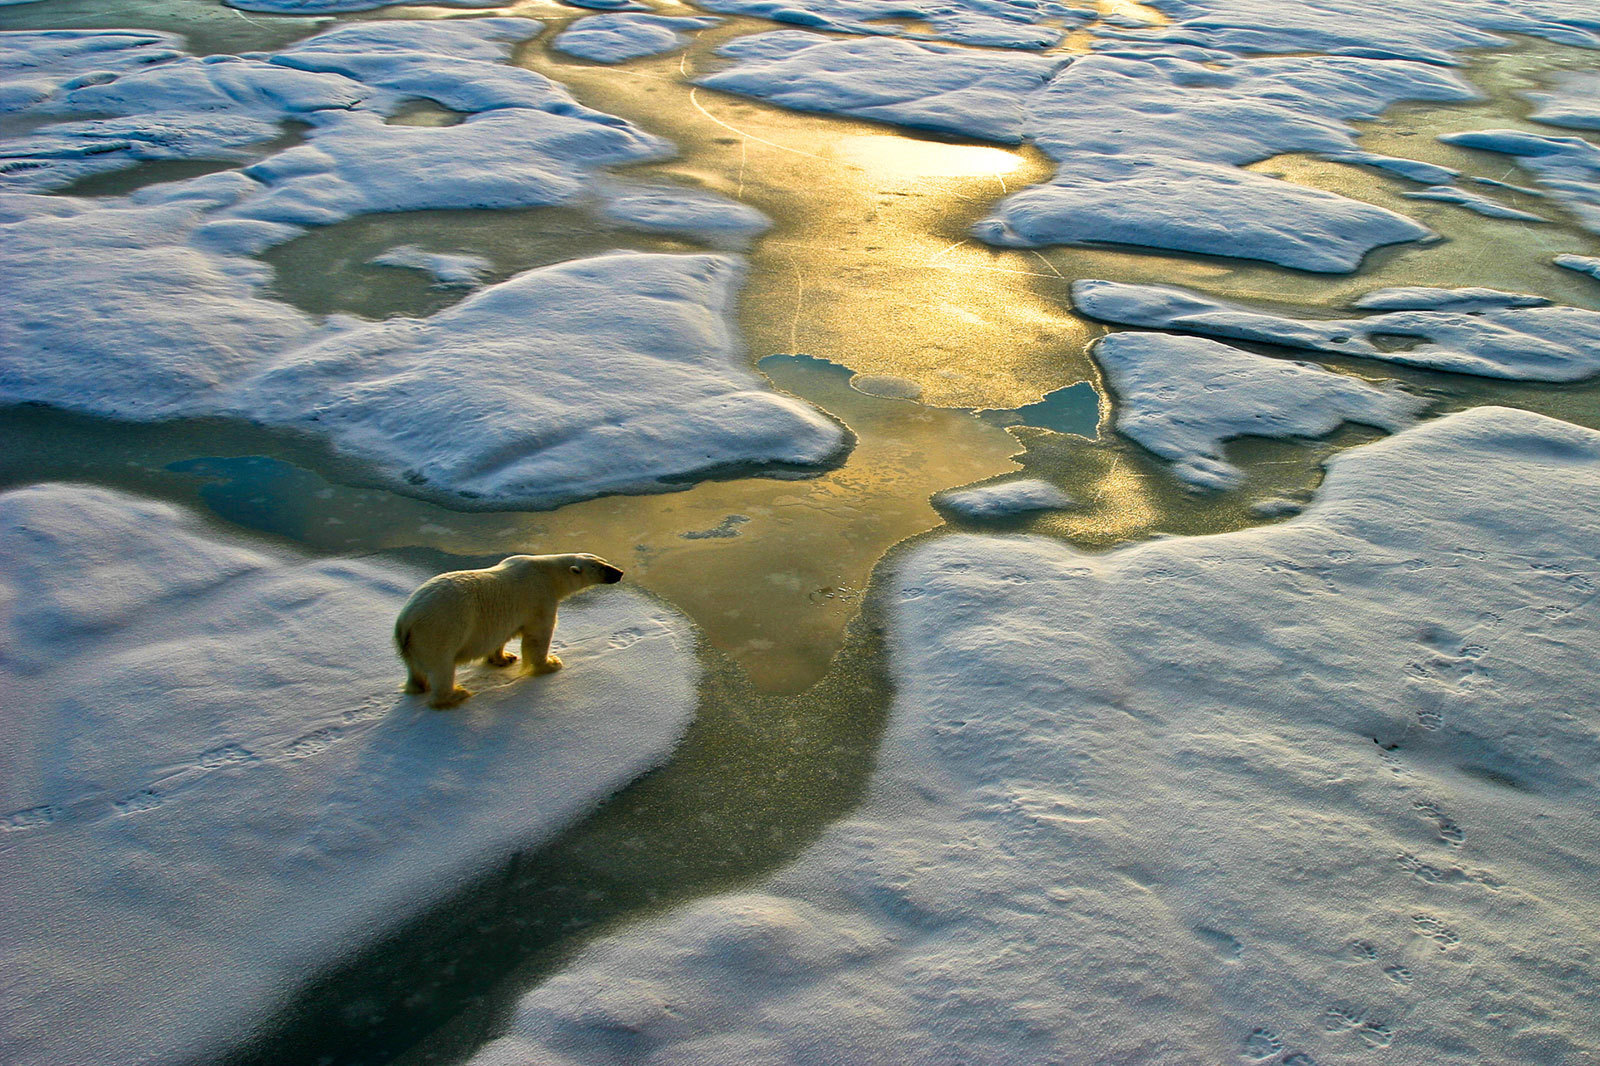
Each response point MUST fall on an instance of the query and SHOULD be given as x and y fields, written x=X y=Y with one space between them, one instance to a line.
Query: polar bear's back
x=466 y=613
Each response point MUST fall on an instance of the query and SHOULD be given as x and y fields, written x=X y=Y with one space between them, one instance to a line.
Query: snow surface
x=1008 y=499
x=1206 y=208
x=615 y=38
x=992 y=23
x=1407 y=29
x=1129 y=807
x=676 y=209
x=1567 y=167
x=447 y=270
x=218 y=788
x=619 y=373
x=149 y=307
x=1464 y=334
x=924 y=86
x=1583 y=264
x=1148 y=145
x=1487 y=206
x=1182 y=397
x=1573 y=101
x=1149 y=148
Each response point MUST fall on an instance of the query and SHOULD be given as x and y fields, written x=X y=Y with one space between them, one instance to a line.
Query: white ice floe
x=1241 y=111
x=217 y=788
x=1573 y=101
x=446 y=269
x=1427 y=298
x=1207 y=208
x=1487 y=206
x=330 y=7
x=1183 y=397
x=1167 y=805
x=1583 y=264
x=675 y=209
x=620 y=373
x=1405 y=29
x=1567 y=167
x=991 y=23
x=148 y=306
x=615 y=38
x=925 y=86
x=1149 y=148
x=1474 y=333
x=1009 y=499
x=111 y=310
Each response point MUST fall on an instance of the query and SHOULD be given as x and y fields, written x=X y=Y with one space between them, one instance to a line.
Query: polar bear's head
x=593 y=570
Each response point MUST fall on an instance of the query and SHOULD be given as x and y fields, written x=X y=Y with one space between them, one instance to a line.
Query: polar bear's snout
x=610 y=574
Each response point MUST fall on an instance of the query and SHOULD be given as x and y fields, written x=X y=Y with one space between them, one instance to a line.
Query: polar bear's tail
x=402 y=638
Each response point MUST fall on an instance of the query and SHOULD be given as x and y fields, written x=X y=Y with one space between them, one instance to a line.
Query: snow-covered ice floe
x=619 y=373
x=447 y=270
x=1573 y=101
x=1149 y=148
x=1567 y=167
x=1009 y=499
x=1482 y=332
x=1290 y=794
x=213 y=787
x=1582 y=264
x=1486 y=206
x=615 y=38
x=149 y=306
x=1387 y=29
x=990 y=23
x=1209 y=208
x=1182 y=397
x=923 y=86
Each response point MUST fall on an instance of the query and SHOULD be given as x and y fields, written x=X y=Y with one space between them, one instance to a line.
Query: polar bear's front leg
x=499 y=657
x=536 y=646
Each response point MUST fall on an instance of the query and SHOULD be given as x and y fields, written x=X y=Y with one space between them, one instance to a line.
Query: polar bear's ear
x=575 y=569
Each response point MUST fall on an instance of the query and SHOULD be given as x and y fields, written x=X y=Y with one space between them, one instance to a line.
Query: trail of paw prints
x=1449 y=831
x=1435 y=930
x=1430 y=874
x=1263 y=1045
x=1374 y=1034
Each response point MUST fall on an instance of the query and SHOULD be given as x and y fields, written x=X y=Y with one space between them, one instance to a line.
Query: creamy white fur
x=470 y=614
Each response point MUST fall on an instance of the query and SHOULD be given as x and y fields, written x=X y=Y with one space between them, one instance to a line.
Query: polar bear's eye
x=576 y=569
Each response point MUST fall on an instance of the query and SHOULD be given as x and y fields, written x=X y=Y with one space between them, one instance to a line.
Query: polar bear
x=470 y=614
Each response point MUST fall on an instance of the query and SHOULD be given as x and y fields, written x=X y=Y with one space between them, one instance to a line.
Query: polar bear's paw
x=500 y=658
x=550 y=665
x=454 y=698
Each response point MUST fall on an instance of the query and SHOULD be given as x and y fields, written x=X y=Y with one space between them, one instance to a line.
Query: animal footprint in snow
x=225 y=756
x=1373 y=1034
x=32 y=818
x=1398 y=974
x=1262 y=1044
x=625 y=638
x=1430 y=720
x=1437 y=931
x=1449 y=832
x=313 y=743
x=146 y=799
x=1361 y=949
